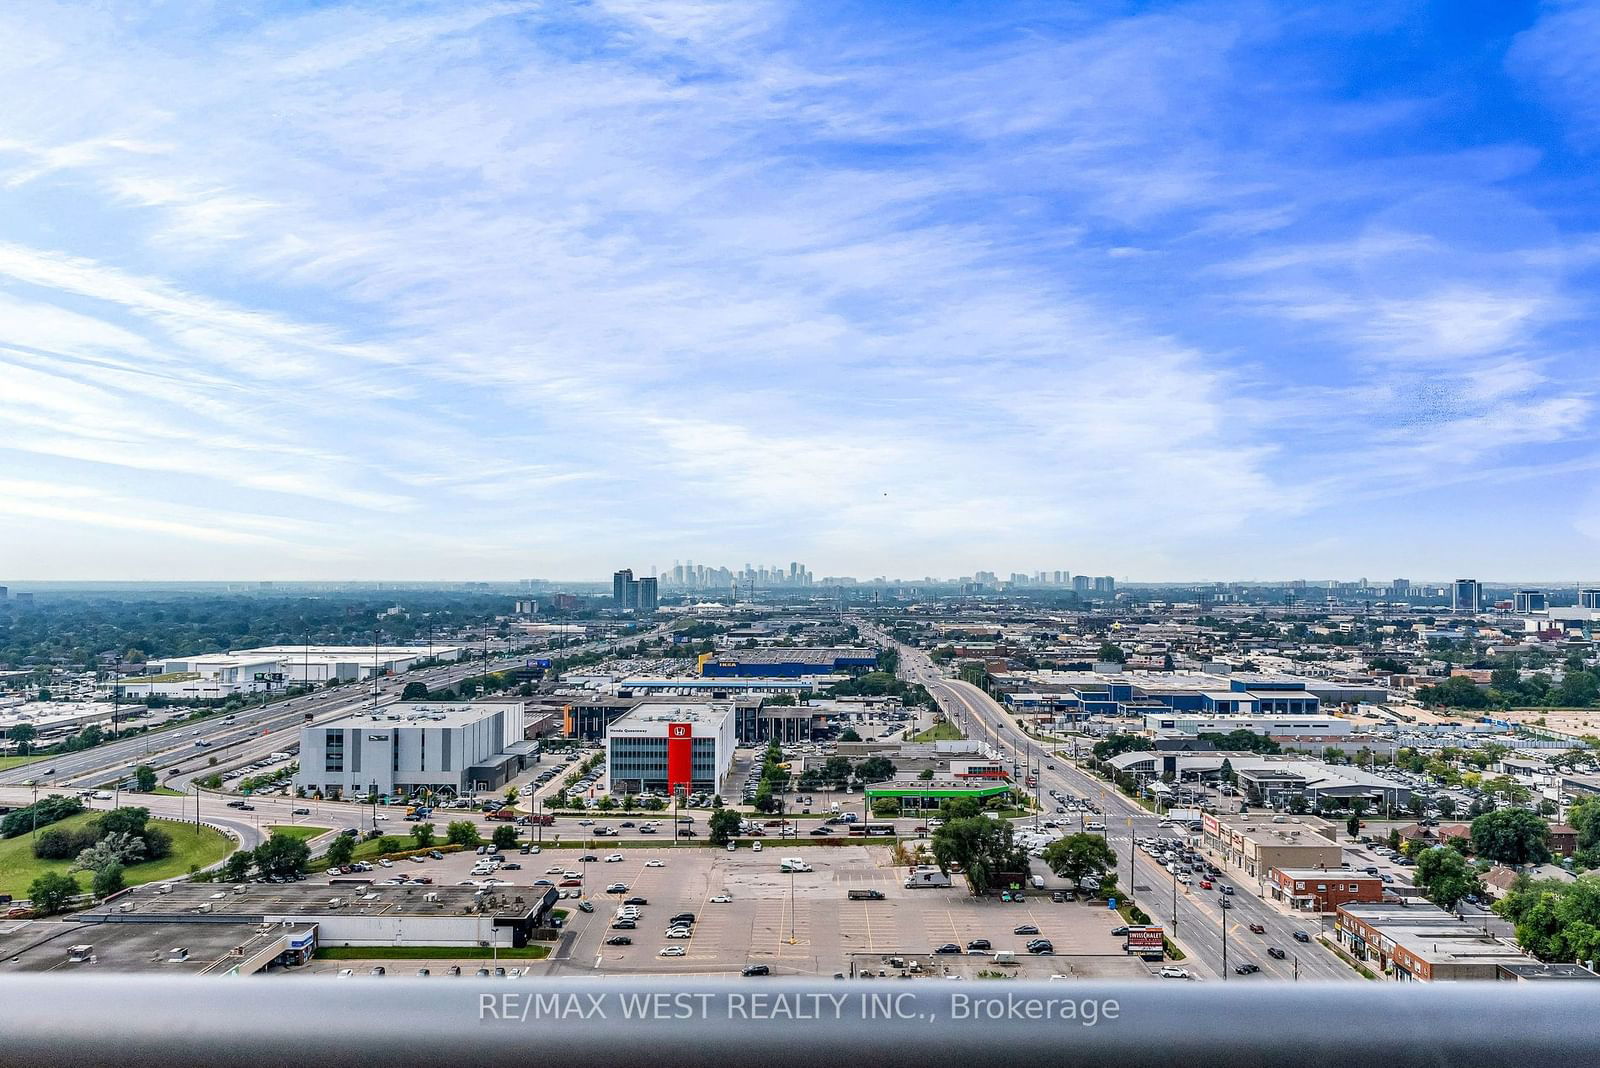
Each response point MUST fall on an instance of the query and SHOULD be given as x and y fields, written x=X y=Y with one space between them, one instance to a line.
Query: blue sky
x=457 y=290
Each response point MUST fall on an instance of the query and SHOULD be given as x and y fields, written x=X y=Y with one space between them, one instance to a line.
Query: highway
x=250 y=734
x=1198 y=926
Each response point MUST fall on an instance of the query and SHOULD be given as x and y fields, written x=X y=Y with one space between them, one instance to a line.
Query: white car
x=386 y=862
x=1173 y=973
x=671 y=951
x=679 y=932
x=655 y=864
x=615 y=858
x=557 y=870
x=721 y=899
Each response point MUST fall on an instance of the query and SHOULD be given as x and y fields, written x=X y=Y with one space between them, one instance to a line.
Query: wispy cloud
x=459 y=289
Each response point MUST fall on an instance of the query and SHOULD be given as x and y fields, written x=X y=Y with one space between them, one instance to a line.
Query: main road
x=1201 y=924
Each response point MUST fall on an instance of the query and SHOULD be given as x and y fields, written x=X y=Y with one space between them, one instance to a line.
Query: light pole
x=1224 y=945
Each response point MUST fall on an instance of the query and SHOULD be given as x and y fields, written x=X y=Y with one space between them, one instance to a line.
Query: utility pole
x=1224 y=945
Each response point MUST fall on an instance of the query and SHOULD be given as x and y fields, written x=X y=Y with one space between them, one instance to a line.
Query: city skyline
x=492 y=288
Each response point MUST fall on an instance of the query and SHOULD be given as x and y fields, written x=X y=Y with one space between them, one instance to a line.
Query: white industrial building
x=656 y=748
x=402 y=749
x=1314 y=727
x=211 y=676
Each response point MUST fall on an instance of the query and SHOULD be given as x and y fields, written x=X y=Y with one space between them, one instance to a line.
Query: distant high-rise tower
x=1082 y=583
x=1589 y=598
x=1400 y=588
x=624 y=590
x=1529 y=602
x=645 y=596
x=1466 y=595
x=1105 y=584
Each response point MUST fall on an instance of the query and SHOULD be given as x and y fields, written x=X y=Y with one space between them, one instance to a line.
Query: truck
x=507 y=814
x=793 y=864
x=926 y=876
x=865 y=895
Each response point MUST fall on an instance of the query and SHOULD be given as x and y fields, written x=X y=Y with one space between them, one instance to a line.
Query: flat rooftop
x=253 y=902
x=1308 y=831
x=708 y=715
x=45 y=946
x=422 y=714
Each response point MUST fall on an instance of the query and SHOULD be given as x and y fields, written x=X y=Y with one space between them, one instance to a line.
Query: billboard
x=1145 y=942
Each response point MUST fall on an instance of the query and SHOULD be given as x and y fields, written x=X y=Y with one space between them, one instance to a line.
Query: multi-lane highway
x=1201 y=922
x=250 y=734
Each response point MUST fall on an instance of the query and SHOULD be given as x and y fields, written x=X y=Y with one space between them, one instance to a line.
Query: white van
x=1005 y=956
x=1037 y=881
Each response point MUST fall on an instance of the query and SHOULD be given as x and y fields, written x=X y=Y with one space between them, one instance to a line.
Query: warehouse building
x=402 y=749
x=658 y=748
x=778 y=662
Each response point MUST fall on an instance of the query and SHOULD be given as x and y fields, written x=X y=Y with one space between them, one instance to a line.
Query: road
x=1199 y=923
x=249 y=734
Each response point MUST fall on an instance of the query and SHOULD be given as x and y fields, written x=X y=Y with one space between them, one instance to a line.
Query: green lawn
x=297 y=830
x=430 y=953
x=7 y=762
x=939 y=732
x=167 y=791
x=19 y=867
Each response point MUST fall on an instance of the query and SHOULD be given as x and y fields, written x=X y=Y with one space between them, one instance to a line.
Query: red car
x=571 y=882
x=1205 y=884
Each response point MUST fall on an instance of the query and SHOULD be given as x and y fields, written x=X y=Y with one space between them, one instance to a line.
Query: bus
x=872 y=830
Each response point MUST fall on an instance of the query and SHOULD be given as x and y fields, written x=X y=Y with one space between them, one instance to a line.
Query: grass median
x=19 y=867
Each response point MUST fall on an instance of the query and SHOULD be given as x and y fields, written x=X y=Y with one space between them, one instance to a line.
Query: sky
x=503 y=290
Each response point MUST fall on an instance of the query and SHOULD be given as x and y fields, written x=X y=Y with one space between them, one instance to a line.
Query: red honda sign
x=680 y=756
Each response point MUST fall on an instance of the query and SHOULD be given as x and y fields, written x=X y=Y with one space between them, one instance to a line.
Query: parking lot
x=804 y=923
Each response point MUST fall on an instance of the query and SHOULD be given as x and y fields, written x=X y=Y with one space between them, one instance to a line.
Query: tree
x=144 y=777
x=875 y=769
x=1078 y=856
x=1445 y=876
x=1352 y=825
x=107 y=880
x=1555 y=921
x=836 y=769
x=1112 y=653
x=982 y=847
x=462 y=833
x=23 y=735
x=505 y=836
x=1447 y=806
x=118 y=847
x=849 y=734
x=283 y=854
x=341 y=850
x=388 y=844
x=51 y=891
x=57 y=844
x=724 y=825
x=423 y=833
x=1229 y=776
x=925 y=774
x=414 y=691
x=886 y=807
x=1512 y=836
x=237 y=868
